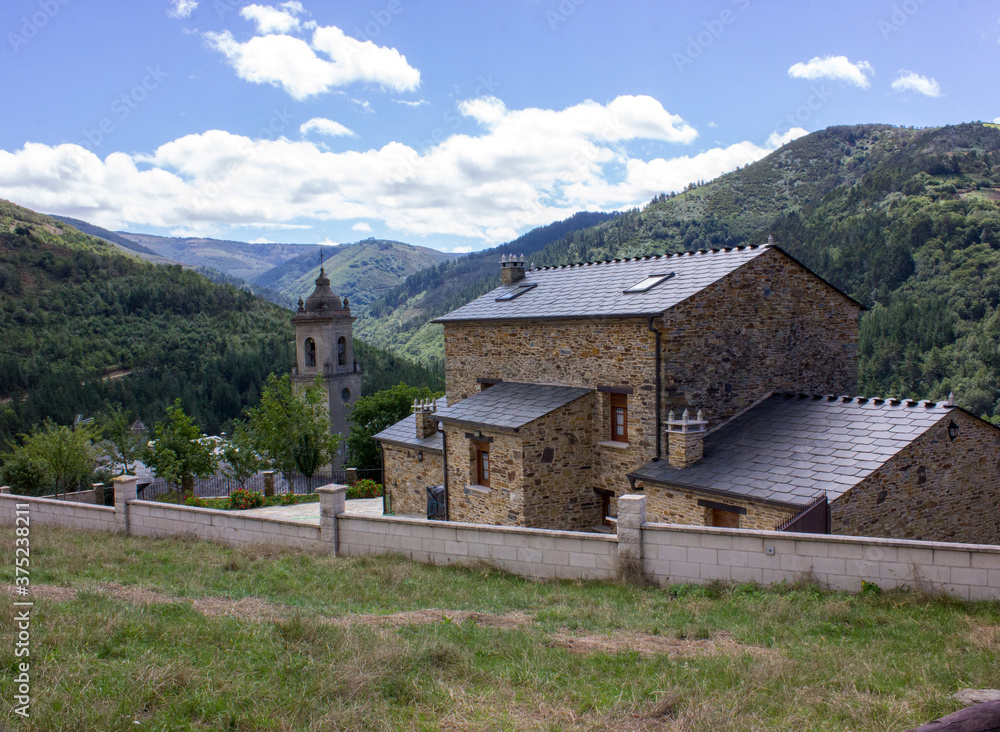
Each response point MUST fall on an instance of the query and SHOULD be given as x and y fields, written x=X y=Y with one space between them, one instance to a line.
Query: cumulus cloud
x=181 y=8
x=362 y=226
x=411 y=103
x=776 y=139
x=838 y=68
x=326 y=127
x=523 y=168
x=327 y=59
x=273 y=20
x=912 y=81
x=996 y=120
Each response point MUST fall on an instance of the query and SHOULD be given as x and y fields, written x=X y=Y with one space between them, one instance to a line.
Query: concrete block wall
x=533 y=553
x=149 y=518
x=68 y=514
x=677 y=554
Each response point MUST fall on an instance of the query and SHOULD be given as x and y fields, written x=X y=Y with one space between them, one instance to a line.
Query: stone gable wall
x=560 y=494
x=934 y=490
x=679 y=505
x=770 y=326
x=407 y=478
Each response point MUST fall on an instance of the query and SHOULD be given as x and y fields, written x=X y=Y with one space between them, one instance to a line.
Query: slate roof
x=404 y=432
x=790 y=448
x=595 y=289
x=510 y=405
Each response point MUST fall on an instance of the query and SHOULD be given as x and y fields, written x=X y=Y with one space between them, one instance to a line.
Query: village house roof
x=510 y=405
x=790 y=449
x=404 y=433
x=601 y=289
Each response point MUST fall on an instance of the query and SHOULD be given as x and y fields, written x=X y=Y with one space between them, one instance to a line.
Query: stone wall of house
x=770 y=326
x=407 y=478
x=679 y=505
x=499 y=504
x=934 y=490
x=558 y=455
x=588 y=353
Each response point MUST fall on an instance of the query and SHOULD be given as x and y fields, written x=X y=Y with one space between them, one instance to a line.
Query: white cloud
x=273 y=20
x=410 y=103
x=776 y=140
x=912 y=81
x=712 y=125
x=261 y=240
x=181 y=8
x=525 y=167
x=996 y=120
x=362 y=226
x=305 y=68
x=834 y=67
x=326 y=127
x=329 y=243
x=460 y=250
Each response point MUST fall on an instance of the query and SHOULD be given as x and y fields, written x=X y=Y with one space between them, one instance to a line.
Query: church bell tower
x=324 y=346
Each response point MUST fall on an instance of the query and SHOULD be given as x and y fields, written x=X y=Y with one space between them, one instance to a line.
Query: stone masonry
x=408 y=477
x=937 y=489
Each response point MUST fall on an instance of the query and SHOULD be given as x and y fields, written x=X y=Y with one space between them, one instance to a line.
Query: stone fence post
x=631 y=517
x=125 y=491
x=332 y=501
x=352 y=476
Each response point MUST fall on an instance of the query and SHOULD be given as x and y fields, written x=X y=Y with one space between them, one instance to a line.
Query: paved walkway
x=309 y=512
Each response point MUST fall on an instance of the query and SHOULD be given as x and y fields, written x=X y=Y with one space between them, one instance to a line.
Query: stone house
x=570 y=386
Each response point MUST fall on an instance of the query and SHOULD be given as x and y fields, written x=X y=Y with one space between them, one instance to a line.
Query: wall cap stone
x=332 y=488
x=828 y=538
x=54 y=501
x=218 y=512
x=611 y=538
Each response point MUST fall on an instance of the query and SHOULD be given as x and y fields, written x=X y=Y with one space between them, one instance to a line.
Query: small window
x=341 y=351
x=516 y=292
x=619 y=417
x=310 y=346
x=483 y=464
x=345 y=395
x=648 y=283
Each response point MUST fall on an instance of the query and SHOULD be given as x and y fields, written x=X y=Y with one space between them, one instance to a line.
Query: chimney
x=511 y=269
x=425 y=413
x=685 y=437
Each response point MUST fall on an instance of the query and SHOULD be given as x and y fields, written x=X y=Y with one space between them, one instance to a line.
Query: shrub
x=288 y=499
x=365 y=488
x=240 y=500
x=192 y=500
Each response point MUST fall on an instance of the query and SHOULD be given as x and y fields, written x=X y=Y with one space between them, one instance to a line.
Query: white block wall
x=534 y=553
x=67 y=514
x=148 y=518
x=692 y=554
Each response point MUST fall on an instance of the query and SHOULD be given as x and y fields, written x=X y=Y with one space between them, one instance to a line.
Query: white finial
x=685 y=416
x=503 y=258
x=770 y=239
x=951 y=398
x=701 y=416
x=522 y=257
x=670 y=417
x=414 y=405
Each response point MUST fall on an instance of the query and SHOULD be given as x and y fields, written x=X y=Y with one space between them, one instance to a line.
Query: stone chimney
x=685 y=438
x=512 y=269
x=425 y=414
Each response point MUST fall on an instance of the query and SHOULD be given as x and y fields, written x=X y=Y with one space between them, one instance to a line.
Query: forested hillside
x=84 y=324
x=906 y=221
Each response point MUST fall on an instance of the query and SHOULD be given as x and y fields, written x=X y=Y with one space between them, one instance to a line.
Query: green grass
x=741 y=657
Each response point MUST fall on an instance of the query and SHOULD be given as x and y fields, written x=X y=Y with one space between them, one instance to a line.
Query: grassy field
x=141 y=634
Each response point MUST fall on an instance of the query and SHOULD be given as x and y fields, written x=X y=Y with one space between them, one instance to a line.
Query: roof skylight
x=516 y=292
x=648 y=283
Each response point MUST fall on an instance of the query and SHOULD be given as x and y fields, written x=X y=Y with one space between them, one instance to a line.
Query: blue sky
x=456 y=125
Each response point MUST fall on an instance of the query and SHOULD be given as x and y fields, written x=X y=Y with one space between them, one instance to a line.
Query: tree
x=53 y=456
x=176 y=455
x=284 y=421
x=239 y=459
x=372 y=414
x=120 y=440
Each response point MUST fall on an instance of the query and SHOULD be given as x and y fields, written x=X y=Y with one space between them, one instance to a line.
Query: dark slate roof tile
x=510 y=404
x=790 y=449
x=596 y=289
